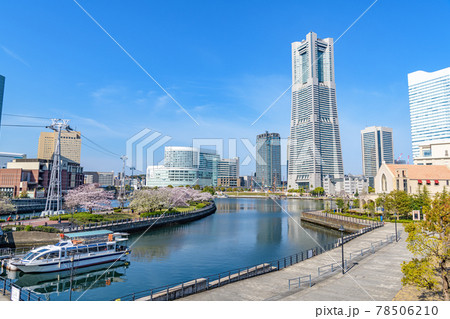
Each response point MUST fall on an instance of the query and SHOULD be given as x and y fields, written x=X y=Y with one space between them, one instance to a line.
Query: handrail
x=217 y=280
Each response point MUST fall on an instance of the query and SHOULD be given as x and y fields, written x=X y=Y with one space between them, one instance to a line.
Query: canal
x=243 y=232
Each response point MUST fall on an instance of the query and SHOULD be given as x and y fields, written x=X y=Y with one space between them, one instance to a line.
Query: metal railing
x=344 y=218
x=336 y=266
x=298 y=281
x=168 y=217
x=12 y=252
x=6 y=286
x=178 y=290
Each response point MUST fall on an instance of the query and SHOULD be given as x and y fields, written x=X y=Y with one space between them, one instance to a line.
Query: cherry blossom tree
x=150 y=200
x=6 y=207
x=89 y=196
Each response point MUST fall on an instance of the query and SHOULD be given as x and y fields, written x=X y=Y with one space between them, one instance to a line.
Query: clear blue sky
x=224 y=61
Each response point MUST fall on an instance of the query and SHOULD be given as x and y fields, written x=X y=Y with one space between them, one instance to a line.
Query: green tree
x=318 y=191
x=196 y=187
x=429 y=242
x=340 y=203
x=421 y=200
x=355 y=203
x=23 y=194
x=398 y=203
x=301 y=190
x=356 y=194
x=6 y=207
x=371 y=190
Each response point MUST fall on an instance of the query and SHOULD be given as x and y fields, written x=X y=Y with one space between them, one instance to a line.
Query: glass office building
x=2 y=90
x=377 y=147
x=268 y=160
x=429 y=102
x=184 y=166
x=314 y=146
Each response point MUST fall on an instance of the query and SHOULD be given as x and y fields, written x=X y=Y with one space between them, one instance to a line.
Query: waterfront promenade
x=375 y=277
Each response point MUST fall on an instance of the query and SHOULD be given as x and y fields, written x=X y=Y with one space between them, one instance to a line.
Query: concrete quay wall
x=142 y=223
x=331 y=222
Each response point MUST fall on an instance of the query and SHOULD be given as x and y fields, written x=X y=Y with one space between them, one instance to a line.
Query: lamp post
x=341 y=229
x=396 y=238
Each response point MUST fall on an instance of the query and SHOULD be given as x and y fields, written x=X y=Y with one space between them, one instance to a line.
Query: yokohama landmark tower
x=314 y=147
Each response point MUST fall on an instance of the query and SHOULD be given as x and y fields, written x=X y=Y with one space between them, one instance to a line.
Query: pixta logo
x=142 y=146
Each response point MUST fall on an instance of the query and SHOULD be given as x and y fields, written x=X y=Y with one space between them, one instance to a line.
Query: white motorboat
x=76 y=250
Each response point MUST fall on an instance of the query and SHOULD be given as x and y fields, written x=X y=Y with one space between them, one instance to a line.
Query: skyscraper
x=429 y=102
x=2 y=89
x=70 y=145
x=268 y=160
x=377 y=147
x=314 y=146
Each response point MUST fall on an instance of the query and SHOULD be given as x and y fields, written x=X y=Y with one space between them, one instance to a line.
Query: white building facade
x=314 y=146
x=183 y=166
x=434 y=153
x=429 y=101
x=348 y=185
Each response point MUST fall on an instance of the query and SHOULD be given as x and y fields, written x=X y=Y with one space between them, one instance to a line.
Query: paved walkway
x=376 y=277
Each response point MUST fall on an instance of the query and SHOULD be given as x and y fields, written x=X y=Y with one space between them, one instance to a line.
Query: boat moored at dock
x=76 y=250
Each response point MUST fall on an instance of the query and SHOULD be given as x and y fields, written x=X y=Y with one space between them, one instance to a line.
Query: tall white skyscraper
x=429 y=102
x=377 y=147
x=314 y=147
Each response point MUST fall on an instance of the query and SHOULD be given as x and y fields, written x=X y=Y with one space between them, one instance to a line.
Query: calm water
x=243 y=232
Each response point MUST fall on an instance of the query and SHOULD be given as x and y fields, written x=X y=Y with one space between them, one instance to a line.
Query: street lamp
x=396 y=238
x=342 y=229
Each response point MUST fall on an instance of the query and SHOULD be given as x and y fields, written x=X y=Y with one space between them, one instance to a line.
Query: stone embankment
x=334 y=221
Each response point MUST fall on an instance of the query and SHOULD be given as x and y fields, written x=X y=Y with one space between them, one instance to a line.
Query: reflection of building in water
x=269 y=230
x=233 y=205
x=294 y=231
x=320 y=234
x=82 y=279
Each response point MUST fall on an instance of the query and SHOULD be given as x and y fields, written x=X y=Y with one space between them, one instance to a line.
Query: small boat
x=76 y=250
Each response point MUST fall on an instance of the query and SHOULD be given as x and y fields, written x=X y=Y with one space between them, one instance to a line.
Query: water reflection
x=79 y=280
x=243 y=232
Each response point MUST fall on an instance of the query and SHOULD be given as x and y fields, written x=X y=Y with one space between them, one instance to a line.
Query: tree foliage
x=6 y=207
x=150 y=200
x=429 y=242
x=88 y=196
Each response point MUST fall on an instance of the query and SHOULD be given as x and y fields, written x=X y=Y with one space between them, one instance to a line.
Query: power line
x=22 y=125
x=101 y=147
x=99 y=150
x=27 y=116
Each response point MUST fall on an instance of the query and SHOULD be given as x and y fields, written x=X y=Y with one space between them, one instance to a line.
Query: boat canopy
x=94 y=233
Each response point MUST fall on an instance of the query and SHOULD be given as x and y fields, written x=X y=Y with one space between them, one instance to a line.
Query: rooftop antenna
x=53 y=205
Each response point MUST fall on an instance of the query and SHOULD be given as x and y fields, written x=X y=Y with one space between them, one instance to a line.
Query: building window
x=383 y=183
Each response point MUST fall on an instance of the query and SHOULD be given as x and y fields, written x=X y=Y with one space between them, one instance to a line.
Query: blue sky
x=225 y=62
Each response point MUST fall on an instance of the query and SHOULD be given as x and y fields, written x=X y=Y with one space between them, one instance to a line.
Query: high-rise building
x=2 y=89
x=228 y=167
x=429 y=102
x=101 y=178
x=268 y=160
x=314 y=146
x=377 y=147
x=70 y=145
x=184 y=166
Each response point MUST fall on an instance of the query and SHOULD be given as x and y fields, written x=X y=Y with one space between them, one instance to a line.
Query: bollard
x=219 y=280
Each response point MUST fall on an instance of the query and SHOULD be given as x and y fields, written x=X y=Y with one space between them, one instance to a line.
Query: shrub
x=200 y=205
x=28 y=228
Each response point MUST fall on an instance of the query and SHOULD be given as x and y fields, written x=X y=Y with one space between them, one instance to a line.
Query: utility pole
x=53 y=205
x=122 y=196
